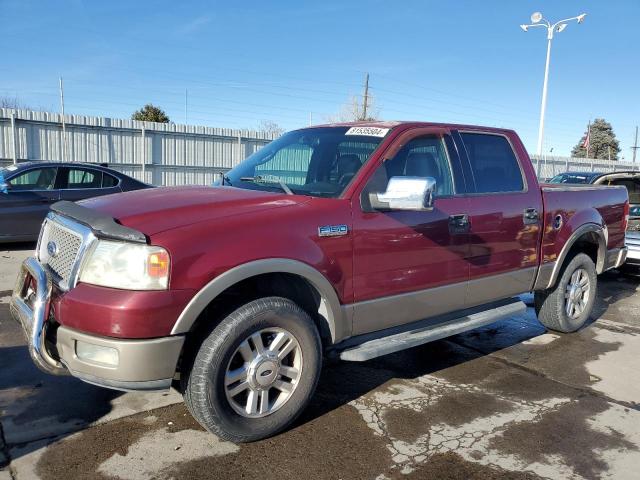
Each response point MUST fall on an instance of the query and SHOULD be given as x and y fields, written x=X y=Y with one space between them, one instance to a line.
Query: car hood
x=155 y=210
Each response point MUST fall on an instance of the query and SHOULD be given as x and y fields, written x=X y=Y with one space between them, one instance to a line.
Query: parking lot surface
x=510 y=400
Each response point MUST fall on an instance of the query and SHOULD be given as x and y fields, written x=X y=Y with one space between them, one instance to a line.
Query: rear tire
x=567 y=306
x=256 y=371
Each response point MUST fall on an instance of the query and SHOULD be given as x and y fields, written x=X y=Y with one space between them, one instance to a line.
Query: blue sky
x=242 y=62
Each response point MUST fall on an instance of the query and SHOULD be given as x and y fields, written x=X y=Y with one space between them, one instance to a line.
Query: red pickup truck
x=351 y=240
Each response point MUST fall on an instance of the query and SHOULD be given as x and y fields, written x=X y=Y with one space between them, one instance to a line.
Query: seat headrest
x=421 y=164
x=348 y=163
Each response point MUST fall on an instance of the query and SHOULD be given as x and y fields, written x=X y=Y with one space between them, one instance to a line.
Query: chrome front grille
x=60 y=248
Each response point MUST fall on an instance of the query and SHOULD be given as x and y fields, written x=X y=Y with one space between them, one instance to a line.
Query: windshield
x=314 y=161
x=570 y=178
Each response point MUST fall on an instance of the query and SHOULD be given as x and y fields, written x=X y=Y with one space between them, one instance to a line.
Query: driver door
x=410 y=265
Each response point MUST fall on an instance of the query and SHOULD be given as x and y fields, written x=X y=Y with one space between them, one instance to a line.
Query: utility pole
x=365 y=103
x=635 y=146
x=186 y=106
x=64 y=129
x=588 y=138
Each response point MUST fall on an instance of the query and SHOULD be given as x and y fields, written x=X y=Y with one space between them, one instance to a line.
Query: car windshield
x=313 y=161
x=570 y=178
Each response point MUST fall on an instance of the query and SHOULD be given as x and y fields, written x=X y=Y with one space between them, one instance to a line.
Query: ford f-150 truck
x=346 y=240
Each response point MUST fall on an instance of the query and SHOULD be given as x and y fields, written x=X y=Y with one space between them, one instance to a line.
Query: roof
x=44 y=163
x=413 y=124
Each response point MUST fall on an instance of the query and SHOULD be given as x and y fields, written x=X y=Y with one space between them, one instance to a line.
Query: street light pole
x=543 y=106
x=538 y=21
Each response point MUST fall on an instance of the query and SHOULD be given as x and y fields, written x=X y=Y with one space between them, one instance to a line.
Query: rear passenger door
x=505 y=216
x=81 y=183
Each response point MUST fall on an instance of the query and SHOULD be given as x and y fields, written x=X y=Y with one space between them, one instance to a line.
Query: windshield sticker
x=368 y=131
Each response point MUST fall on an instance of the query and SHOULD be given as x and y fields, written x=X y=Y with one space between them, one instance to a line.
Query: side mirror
x=405 y=193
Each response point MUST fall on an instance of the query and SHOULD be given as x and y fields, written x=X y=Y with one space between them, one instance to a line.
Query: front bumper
x=142 y=364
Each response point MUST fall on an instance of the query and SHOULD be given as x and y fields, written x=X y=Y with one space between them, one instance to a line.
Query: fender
x=338 y=320
x=547 y=277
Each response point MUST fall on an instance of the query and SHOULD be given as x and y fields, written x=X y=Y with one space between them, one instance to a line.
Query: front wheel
x=256 y=371
x=567 y=306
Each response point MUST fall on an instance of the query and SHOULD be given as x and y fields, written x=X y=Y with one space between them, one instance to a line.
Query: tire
x=553 y=305
x=224 y=389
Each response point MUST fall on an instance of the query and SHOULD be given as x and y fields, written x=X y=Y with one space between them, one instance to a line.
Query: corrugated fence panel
x=173 y=154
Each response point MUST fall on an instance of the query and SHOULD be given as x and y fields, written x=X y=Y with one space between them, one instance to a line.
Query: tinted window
x=81 y=178
x=420 y=157
x=633 y=187
x=493 y=164
x=36 y=179
x=108 y=181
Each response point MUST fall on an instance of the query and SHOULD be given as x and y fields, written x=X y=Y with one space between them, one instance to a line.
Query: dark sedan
x=28 y=189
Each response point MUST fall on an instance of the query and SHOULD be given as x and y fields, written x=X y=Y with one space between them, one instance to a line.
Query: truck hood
x=155 y=210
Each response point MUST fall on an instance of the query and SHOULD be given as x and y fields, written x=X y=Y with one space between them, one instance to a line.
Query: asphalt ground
x=508 y=401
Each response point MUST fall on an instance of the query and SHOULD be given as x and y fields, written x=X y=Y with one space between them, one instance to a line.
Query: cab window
x=494 y=165
x=421 y=157
x=34 y=179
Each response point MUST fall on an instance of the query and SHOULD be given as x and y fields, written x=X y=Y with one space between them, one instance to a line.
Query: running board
x=412 y=338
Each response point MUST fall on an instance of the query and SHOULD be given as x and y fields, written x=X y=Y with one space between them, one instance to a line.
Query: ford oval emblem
x=52 y=249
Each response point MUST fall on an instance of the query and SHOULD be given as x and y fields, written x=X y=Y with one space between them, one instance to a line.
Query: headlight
x=127 y=266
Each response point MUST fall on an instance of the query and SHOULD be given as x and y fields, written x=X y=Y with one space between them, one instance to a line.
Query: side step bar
x=418 y=336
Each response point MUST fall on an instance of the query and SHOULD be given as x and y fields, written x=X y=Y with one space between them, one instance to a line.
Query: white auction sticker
x=368 y=131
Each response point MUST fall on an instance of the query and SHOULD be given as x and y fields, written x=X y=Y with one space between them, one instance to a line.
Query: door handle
x=459 y=223
x=530 y=216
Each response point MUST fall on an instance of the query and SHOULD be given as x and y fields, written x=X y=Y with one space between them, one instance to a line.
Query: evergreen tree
x=602 y=142
x=150 y=113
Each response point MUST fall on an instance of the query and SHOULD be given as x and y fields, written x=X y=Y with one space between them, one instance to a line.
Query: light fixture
x=536 y=17
x=561 y=27
x=524 y=27
x=581 y=17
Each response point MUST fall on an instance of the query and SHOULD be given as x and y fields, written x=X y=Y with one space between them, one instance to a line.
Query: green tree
x=150 y=113
x=602 y=142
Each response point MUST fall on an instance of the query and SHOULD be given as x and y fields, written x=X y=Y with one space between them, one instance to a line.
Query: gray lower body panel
x=391 y=311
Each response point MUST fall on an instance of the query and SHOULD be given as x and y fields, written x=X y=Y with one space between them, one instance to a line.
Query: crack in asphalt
x=425 y=394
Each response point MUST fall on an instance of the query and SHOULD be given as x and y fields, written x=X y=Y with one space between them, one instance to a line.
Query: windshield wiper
x=268 y=179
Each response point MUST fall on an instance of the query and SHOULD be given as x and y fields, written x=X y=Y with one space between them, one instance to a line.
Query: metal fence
x=171 y=154
x=549 y=166
x=158 y=153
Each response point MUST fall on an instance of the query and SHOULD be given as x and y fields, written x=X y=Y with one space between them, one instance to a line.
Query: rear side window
x=494 y=166
x=80 y=178
x=108 y=181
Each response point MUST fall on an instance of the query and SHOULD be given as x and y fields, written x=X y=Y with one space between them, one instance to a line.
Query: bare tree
x=353 y=111
x=269 y=126
x=12 y=102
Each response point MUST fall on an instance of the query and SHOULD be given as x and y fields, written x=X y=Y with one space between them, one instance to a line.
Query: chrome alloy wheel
x=577 y=293
x=263 y=372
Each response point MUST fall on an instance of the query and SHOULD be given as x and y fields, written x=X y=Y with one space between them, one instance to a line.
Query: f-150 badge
x=332 y=230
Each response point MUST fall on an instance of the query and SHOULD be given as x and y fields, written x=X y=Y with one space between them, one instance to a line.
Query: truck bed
x=567 y=207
